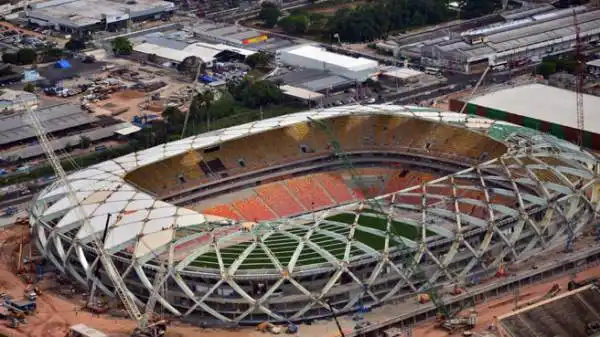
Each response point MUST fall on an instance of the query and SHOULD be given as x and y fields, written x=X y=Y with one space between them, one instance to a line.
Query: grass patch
x=283 y=247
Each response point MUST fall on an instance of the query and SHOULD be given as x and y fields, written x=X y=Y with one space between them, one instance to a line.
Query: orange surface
x=224 y=211
x=309 y=192
x=335 y=186
x=253 y=209
x=279 y=199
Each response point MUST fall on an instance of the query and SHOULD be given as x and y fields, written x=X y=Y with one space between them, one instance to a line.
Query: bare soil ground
x=56 y=313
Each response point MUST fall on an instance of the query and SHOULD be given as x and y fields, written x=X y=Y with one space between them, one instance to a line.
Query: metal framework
x=291 y=269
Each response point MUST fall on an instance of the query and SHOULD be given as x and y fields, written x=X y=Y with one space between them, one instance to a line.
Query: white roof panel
x=322 y=55
x=544 y=103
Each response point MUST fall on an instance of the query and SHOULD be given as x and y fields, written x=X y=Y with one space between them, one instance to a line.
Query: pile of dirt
x=156 y=106
x=130 y=94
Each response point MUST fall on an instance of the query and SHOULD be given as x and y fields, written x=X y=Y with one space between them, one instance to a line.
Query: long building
x=314 y=57
x=77 y=16
x=516 y=40
x=540 y=107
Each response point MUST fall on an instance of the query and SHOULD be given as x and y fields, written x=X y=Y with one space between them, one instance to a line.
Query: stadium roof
x=154 y=221
x=144 y=227
x=545 y=103
x=322 y=55
x=16 y=127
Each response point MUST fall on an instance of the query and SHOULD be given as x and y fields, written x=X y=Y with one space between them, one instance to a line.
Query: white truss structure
x=339 y=268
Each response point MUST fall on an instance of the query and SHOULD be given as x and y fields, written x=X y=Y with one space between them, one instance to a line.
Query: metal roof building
x=16 y=127
x=72 y=15
x=295 y=283
x=541 y=107
x=527 y=38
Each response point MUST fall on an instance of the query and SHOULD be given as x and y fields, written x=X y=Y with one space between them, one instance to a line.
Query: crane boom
x=413 y=266
x=120 y=288
x=579 y=71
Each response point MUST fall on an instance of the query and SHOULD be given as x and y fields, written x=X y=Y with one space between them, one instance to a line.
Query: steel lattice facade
x=539 y=194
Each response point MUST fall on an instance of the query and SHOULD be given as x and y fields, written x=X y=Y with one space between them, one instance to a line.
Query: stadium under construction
x=348 y=207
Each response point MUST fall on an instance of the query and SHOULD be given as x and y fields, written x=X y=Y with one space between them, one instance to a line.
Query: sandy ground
x=55 y=314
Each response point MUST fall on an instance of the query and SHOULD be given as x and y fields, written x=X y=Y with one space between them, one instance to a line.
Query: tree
x=259 y=60
x=121 y=46
x=84 y=142
x=376 y=19
x=153 y=58
x=475 y=8
x=294 y=24
x=52 y=54
x=29 y=87
x=254 y=94
x=189 y=65
x=75 y=45
x=173 y=118
x=269 y=14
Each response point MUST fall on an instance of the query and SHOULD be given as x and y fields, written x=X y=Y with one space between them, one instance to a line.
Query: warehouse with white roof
x=315 y=57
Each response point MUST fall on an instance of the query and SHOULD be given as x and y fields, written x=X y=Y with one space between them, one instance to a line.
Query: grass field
x=283 y=247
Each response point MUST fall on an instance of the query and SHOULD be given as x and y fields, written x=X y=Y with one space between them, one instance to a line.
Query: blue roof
x=64 y=64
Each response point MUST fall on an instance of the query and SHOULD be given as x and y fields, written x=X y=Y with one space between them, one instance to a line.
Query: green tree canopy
x=121 y=46
x=75 y=45
x=29 y=87
x=294 y=24
x=269 y=14
x=474 y=8
x=173 y=118
x=259 y=60
x=254 y=94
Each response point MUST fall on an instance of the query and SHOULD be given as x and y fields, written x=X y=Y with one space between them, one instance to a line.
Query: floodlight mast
x=124 y=294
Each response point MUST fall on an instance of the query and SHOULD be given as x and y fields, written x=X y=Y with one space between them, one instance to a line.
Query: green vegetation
x=374 y=19
x=75 y=45
x=121 y=46
x=29 y=87
x=21 y=57
x=260 y=60
x=555 y=64
x=269 y=14
x=283 y=247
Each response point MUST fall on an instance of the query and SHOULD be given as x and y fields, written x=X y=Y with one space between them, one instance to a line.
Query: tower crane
x=580 y=73
x=121 y=290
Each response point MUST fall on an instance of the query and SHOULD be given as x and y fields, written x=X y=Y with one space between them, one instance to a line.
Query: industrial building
x=283 y=269
x=58 y=120
x=236 y=35
x=540 y=107
x=516 y=40
x=16 y=101
x=593 y=67
x=80 y=16
x=318 y=58
x=172 y=49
